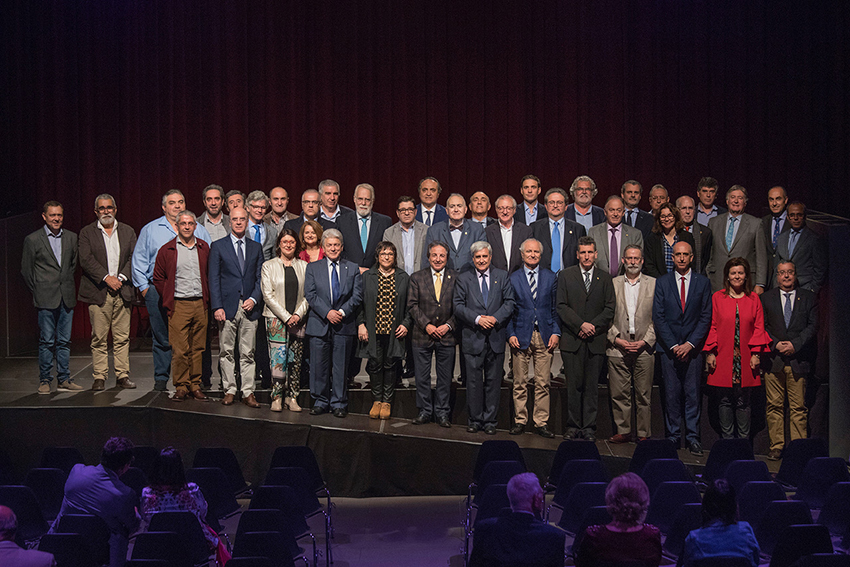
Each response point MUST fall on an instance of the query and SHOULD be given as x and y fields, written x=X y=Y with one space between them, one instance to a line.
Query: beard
x=632 y=270
x=106 y=219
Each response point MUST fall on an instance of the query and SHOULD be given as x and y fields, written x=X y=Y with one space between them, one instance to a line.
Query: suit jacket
x=628 y=235
x=572 y=232
x=317 y=290
x=528 y=310
x=488 y=220
x=702 y=245
x=92 y=256
x=460 y=258
x=165 y=271
x=296 y=223
x=766 y=222
x=809 y=257
x=802 y=332
x=352 y=250
x=517 y=539
x=225 y=221
x=12 y=555
x=653 y=253
x=469 y=304
x=519 y=215
x=394 y=234
x=425 y=308
x=440 y=214
x=644 y=329
x=576 y=305
x=269 y=240
x=644 y=222
x=597 y=214
x=672 y=326
x=367 y=313
x=519 y=233
x=50 y=283
x=228 y=286
x=748 y=243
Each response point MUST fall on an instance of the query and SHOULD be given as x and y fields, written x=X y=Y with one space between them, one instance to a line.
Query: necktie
x=629 y=218
x=485 y=291
x=428 y=220
x=614 y=253
x=682 y=293
x=240 y=255
x=364 y=234
x=438 y=285
x=792 y=242
x=787 y=310
x=257 y=233
x=776 y=229
x=334 y=283
x=587 y=282
x=556 y=248
x=730 y=233
x=532 y=283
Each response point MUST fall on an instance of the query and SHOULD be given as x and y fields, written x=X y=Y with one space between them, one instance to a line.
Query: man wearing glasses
x=583 y=190
x=363 y=230
x=309 y=211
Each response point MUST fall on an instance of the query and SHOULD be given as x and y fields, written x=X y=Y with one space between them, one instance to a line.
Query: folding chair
x=799 y=540
x=48 y=485
x=656 y=471
x=582 y=497
x=225 y=459
x=94 y=530
x=738 y=473
x=263 y=544
x=818 y=476
x=22 y=501
x=668 y=501
x=796 y=456
x=754 y=498
x=568 y=451
x=778 y=515
x=61 y=458
x=650 y=449
x=723 y=452
x=69 y=550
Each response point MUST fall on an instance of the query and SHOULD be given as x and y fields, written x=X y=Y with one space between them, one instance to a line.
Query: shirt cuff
x=342 y=312
x=477 y=319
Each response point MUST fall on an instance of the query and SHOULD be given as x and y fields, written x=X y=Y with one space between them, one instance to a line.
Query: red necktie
x=682 y=294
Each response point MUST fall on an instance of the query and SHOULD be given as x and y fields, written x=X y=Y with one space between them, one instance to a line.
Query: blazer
x=519 y=233
x=317 y=290
x=296 y=223
x=702 y=245
x=766 y=222
x=460 y=258
x=528 y=311
x=268 y=242
x=488 y=220
x=425 y=308
x=672 y=326
x=572 y=232
x=367 y=313
x=469 y=304
x=597 y=214
x=225 y=221
x=519 y=215
x=644 y=329
x=50 y=284
x=165 y=271
x=11 y=554
x=228 y=286
x=440 y=214
x=653 y=253
x=273 y=285
x=809 y=257
x=749 y=244
x=352 y=250
x=92 y=256
x=644 y=222
x=394 y=234
x=628 y=235
x=575 y=305
x=517 y=539
x=802 y=332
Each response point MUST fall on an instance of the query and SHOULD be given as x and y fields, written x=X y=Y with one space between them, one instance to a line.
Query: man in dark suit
x=805 y=248
x=631 y=192
x=506 y=235
x=48 y=265
x=429 y=302
x=707 y=194
x=791 y=320
x=521 y=537
x=773 y=225
x=459 y=233
x=235 y=271
x=364 y=230
x=701 y=233
x=105 y=248
x=329 y=197
x=334 y=289
x=680 y=332
x=582 y=211
x=585 y=305
x=428 y=211
x=479 y=206
x=658 y=195
x=555 y=232
x=612 y=237
x=530 y=210
x=483 y=303
x=533 y=334
x=309 y=211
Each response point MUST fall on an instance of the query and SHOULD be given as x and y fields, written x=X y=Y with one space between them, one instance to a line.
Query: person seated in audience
x=721 y=535
x=520 y=537
x=169 y=492
x=311 y=238
x=626 y=539
x=10 y=553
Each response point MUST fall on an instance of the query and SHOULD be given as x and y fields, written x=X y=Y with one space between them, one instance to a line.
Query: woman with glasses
x=658 y=244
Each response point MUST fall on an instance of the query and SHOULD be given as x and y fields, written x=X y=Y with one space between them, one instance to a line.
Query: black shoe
x=695 y=448
x=588 y=437
x=474 y=428
x=160 y=385
x=544 y=432
x=340 y=412
x=318 y=410
x=490 y=429
x=572 y=434
x=675 y=441
x=517 y=429
x=421 y=419
x=443 y=421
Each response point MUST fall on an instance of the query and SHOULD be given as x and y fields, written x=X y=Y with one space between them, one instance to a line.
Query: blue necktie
x=257 y=234
x=364 y=234
x=485 y=291
x=556 y=248
x=730 y=233
x=787 y=311
x=776 y=229
x=334 y=283
x=240 y=255
x=792 y=242
x=428 y=220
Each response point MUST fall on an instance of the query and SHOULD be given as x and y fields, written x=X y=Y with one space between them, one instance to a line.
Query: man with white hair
x=582 y=211
x=10 y=553
x=364 y=230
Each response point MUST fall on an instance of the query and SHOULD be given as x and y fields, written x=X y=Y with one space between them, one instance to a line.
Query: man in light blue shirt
x=582 y=211
x=706 y=195
x=151 y=238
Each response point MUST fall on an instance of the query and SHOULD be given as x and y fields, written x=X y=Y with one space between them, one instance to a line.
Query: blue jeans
x=159 y=330
x=54 y=341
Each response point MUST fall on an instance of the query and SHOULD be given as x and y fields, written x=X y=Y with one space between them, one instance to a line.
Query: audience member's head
x=627 y=499
x=117 y=454
x=8 y=524
x=718 y=503
x=168 y=469
x=525 y=494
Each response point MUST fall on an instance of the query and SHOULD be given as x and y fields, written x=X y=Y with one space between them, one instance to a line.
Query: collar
x=453 y=227
x=553 y=221
x=530 y=208
x=528 y=270
x=503 y=227
x=578 y=211
x=424 y=208
x=192 y=247
x=686 y=275
x=331 y=216
x=781 y=216
x=617 y=228
x=366 y=218
x=50 y=233
x=101 y=227
x=435 y=272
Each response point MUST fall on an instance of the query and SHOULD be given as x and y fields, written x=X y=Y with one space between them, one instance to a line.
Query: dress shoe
x=160 y=386
x=126 y=383
x=490 y=429
x=444 y=422
x=375 y=412
x=695 y=448
x=517 y=429
x=199 y=395
x=544 y=432
x=619 y=438
x=250 y=401
x=228 y=400
x=318 y=410
x=473 y=428
x=98 y=384
x=340 y=412
x=572 y=434
x=44 y=388
x=291 y=404
x=774 y=455
x=180 y=395
x=589 y=437
x=68 y=386
x=277 y=404
x=386 y=410
x=639 y=439
x=675 y=441
x=420 y=419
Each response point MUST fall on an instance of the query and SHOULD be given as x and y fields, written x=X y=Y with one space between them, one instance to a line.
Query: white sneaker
x=68 y=386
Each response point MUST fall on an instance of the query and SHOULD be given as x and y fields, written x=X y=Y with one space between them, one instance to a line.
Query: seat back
x=22 y=501
x=250 y=562
x=263 y=544
x=493 y=502
x=143 y=458
x=48 y=485
x=689 y=518
x=796 y=455
x=69 y=550
x=799 y=540
x=212 y=481
x=496 y=450
x=61 y=458
x=225 y=459
x=496 y=472
x=656 y=471
x=299 y=456
x=574 y=472
x=7 y=468
x=668 y=501
x=723 y=452
x=835 y=514
x=283 y=499
x=297 y=479
x=650 y=449
x=186 y=525
x=568 y=451
x=595 y=516
x=722 y=562
x=738 y=473
x=268 y=520
x=162 y=545
x=824 y=560
x=582 y=497
x=135 y=479
x=819 y=474
x=777 y=516
x=94 y=530
x=754 y=498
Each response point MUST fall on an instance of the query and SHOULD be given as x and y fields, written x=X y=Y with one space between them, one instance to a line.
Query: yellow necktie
x=438 y=286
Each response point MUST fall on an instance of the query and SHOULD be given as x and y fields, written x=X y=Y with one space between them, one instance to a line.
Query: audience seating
x=95 y=534
x=824 y=560
x=496 y=450
x=568 y=451
x=61 y=458
x=688 y=519
x=263 y=544
x=738 y=473
x=778 y=515
x=722 y=562
x=796 y=456
x=225 y=459
x=835 y=513
x=799 y=540
x=582 y=497
x=135 y=478
x=147 y=563
x=495 y=472
x=221 y=503
x=69 y=550
x=250 y=562
x=754 y=498
x=656 y=471
x=576 y=471
x=7 y=468
x=723 y=452
x=162 y=545
x=259 y=520
x=283 y=499
x=492 y=503
x=650 y=449
x=668 y=501
x=187 y=527
x=143 y=458
x=595 y=516
x=819 y=474
x=48 y=485
x=22 y=501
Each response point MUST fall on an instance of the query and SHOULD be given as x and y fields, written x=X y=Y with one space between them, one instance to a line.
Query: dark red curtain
x=136 y=97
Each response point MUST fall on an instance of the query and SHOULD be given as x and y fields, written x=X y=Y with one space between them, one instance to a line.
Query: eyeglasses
x=786 y=272
x=667 y=217
x=407 y=210
x=505 y=209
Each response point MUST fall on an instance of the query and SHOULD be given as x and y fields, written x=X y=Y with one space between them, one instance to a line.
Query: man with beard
x=105 y=249
x=213 y=218
x=363 y=231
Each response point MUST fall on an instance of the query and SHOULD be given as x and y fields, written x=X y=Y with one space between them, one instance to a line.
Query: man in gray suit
x=457 y=232
x=106 y=247
x=213 y=218
x=737 y=235
x=507 y=235
x=10 y=553
x=773 y=225
x=48 y=265
x=613 y=236
x=265 y=234
x=802 y=246
x=407 y=235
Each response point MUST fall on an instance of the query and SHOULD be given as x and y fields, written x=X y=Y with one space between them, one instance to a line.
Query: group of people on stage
x=688 y=285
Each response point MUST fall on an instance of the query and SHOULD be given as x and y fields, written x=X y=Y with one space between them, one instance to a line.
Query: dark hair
x=404 y=199
x=49 y=204
x=587 y=241
x=117 y=452
x=748 y=283
x=440 y=243
x=280 y=235
x=678 y=223
x=709 y=182
x=386 y=245
x=718 y=503
x=532 y=177
x=168 y=469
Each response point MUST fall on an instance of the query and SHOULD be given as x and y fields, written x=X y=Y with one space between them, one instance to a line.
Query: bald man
x=10 y=553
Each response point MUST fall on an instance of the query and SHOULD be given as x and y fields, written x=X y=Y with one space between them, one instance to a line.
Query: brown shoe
x=250 y=401
x=180 y=395
x=639 y=439
x=228 y=400
x=619 y=438
x=199 y=395
x=126 y=383
x=98 y=384
x=774 y=455
x=375 y=412
x=386 y=410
